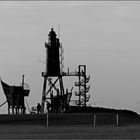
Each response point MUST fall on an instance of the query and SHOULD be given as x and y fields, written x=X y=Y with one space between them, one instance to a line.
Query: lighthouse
x=52 y=57
x=54 y=97
x=53 y=74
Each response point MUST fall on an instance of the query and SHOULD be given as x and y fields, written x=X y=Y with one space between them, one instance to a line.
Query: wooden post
x=94 y=119
x=47 y=123
x=117 y=119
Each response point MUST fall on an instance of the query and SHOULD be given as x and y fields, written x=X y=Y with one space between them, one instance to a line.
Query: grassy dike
x=71 y=119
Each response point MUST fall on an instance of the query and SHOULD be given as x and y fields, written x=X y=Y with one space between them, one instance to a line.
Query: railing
x=72 y=73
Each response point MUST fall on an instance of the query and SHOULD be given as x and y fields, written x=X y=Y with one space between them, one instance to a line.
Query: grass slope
x=103 y=117
x=70 y=119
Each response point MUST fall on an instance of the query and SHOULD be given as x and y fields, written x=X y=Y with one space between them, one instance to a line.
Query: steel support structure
x=82 y=85
x=51 y=91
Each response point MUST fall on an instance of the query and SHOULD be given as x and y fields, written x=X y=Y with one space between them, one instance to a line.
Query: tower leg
x=12 y=110
x=79 y=86
x=16 y=110
x=84 y=76
x=43 y=94
x=62 y=104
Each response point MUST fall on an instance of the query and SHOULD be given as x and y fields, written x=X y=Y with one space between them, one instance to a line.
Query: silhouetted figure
x=38 y=108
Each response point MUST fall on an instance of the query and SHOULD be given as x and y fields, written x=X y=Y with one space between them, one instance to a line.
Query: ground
x=13 y=131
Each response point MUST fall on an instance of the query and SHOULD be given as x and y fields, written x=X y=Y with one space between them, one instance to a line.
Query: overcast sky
x=103 y=35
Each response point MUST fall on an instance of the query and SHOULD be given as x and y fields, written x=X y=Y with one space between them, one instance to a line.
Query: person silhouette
x=38 y=108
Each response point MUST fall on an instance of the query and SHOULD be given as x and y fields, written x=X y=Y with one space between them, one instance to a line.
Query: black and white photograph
x=69 y=69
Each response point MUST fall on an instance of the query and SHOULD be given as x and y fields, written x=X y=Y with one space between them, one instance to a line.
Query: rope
x=3 y=103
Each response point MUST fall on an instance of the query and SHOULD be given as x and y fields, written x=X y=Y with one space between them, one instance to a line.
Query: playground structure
x=15 y=97
x=56 y=98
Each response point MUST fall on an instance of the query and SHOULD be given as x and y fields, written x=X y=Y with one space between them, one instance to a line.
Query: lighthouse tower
x=53 y=91
x=52 y=50
x=54 y=97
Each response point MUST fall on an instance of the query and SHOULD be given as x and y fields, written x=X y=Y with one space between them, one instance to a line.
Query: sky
x=102 y=35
